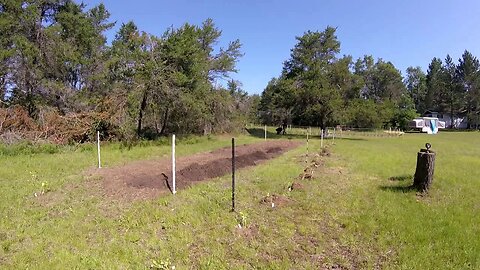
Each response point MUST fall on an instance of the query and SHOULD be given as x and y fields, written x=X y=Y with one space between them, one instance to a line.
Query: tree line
x=54 y=59
x=60 y=80
x=448 y=87
x=318 y=87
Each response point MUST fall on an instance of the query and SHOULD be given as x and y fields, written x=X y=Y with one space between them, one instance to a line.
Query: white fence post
x=98 y=150
x=265 y=128
x=306 y=157
x=321 y=139
x=173 y=165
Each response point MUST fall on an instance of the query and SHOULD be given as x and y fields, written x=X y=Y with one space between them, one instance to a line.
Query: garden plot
x=148 y=179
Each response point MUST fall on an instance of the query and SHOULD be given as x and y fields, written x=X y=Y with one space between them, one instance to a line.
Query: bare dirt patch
x=296 y=186
x=250 y=232
x=148 y=179
x=275 y=200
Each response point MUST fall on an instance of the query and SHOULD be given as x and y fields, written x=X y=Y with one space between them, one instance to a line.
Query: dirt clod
x=325 y=152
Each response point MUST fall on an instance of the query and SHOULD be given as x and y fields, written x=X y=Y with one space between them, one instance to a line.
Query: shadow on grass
x=350 y=139
x=402 y=188
x=401 y=177
x=398 y=189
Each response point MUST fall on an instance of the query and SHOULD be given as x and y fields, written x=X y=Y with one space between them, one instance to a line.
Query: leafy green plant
x=162 y=265
x=45 y=187
x=242 y=219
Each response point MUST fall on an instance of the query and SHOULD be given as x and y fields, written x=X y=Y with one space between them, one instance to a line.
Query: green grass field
x=350 y=215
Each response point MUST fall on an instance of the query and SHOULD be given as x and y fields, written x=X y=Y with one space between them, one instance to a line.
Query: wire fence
x=314 y=131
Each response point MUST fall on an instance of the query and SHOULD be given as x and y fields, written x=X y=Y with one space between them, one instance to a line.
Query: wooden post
x=233 y=174
x=265 y=132
x=425 y=168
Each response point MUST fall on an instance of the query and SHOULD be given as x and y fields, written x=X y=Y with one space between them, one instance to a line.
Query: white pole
x=321 y=139
x=265 y=128
x=173 y=164
x=306 y=157
x=98 y=150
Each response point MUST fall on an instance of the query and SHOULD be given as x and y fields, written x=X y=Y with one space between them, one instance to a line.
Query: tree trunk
x=154 y=113
x=451 y=117
x=2 y=92
x=424 y=172
x=165 y=119
x=143 y=105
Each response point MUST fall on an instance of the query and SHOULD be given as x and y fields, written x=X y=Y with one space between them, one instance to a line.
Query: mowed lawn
x=437 y=231
x=355 y=213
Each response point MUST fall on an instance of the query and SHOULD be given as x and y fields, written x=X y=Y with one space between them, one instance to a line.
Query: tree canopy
x=55 y=61
x=318 y=87
x=61 y=81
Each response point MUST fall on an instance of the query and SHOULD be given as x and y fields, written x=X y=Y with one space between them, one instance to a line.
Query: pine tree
x=468 y=74
x=415 y=82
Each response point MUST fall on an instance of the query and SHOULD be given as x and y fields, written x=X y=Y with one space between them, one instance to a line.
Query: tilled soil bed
x=148 y=179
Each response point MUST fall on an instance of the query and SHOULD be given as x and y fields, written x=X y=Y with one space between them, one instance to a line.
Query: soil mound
x=275 y=200
x=296 y=186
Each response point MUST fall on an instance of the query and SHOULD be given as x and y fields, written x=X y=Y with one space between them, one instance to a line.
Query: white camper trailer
x=429 y=125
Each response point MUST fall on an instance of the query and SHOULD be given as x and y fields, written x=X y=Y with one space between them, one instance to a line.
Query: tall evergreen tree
x=415 y=82
x=49 y=51
x=434 y=84
x=310 y=69
x=450 y=99
x=468 y=73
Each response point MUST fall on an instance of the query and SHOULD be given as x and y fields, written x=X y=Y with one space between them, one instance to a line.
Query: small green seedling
x=45 y=187
x=242 y=219
x=162 y=265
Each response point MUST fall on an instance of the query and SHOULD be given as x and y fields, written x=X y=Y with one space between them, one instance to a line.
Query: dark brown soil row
x=148 y=179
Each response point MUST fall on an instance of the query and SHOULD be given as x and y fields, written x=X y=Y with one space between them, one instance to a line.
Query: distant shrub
x=194 y=139
x=86 y=147
x=28 y=148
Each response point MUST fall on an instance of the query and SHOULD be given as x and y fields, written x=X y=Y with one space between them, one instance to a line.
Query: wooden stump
x=424 y=172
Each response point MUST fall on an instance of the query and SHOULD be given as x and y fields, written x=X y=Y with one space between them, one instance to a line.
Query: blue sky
x=407 y=33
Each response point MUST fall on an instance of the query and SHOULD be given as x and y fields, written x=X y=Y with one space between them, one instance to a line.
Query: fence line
x=329 y=132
